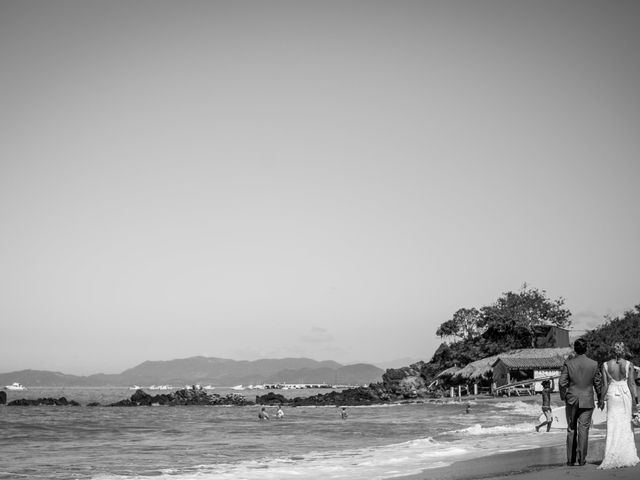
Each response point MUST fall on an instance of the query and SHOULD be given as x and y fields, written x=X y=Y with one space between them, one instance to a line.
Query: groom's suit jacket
x=579 y=377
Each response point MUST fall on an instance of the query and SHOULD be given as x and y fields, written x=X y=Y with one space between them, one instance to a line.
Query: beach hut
x=474 y=377
x=448 y=372
x=550 y=336
x=528 y=364
x=481 y=372
x=443 y=377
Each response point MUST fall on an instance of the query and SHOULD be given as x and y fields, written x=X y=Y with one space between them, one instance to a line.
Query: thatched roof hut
x=482 y=369
x=448 y=372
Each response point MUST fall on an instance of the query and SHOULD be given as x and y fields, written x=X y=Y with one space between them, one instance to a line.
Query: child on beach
x=344 y=413
x=263 y=415
x=547 y=388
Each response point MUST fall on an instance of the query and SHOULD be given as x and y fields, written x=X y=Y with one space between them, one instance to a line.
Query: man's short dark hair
x=580 y=346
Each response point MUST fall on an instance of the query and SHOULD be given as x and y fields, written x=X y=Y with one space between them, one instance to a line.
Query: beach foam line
x=478 y=429
x=369 y=463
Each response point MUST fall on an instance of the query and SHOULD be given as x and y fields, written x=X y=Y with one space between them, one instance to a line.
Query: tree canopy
x=509 y=323
x=514 y=321
x=625 y=328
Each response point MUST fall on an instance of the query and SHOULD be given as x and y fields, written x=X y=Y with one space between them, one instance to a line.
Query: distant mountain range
x=220 y=372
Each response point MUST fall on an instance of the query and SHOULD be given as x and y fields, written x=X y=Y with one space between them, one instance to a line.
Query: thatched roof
x=550 y=363
x=448 y=372
x=483 y=367
x=476 y=370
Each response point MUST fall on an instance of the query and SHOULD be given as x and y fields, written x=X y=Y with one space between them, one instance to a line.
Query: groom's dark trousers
x=578 y=379
x=578 y=423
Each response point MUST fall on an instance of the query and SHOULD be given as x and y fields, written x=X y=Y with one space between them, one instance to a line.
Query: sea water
x=218 y=443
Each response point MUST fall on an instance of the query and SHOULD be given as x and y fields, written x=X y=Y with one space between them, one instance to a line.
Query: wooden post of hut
x=451 y=392
x=459 y=391
x=475 y=389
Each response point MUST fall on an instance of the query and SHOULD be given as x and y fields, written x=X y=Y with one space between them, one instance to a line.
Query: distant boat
x=14 y=386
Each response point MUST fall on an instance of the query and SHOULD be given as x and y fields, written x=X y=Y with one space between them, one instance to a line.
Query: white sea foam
x=521 y=408
x=367 y=463
x=478 y=429
x=379 y=462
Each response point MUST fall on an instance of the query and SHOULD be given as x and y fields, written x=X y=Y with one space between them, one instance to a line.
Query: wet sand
x=538 y=464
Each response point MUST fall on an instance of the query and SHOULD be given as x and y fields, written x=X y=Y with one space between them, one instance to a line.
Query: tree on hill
x=512 y=319
x=465 y=325
x=625 y=328
x=509 y=323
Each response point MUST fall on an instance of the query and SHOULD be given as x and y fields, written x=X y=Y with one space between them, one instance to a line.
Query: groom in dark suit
x=579 y=377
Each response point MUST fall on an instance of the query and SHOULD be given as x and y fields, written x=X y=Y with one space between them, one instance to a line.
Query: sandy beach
x=537 y=464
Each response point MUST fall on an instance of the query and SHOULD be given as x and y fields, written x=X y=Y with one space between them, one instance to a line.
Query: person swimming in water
x=263 y=415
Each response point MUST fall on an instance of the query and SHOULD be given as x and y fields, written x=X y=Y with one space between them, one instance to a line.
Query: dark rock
x=94 y=404
x=181 y=397
x=3 y=397
x=374 y=394
x=405 y=382
x=271 y=399
x=62 y=401
x=141 y=397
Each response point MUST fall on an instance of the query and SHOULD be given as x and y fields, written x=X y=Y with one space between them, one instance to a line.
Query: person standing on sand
x=619 y=391
x=578 y=379
x=344 y=413
x=547 y=388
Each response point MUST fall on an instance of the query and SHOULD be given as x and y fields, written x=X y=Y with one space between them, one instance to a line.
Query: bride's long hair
x=620 y=350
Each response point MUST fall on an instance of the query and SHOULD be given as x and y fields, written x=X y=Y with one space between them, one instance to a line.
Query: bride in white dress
x=619 y=391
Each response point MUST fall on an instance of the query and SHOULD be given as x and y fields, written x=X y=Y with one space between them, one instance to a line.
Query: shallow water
x=203 y=442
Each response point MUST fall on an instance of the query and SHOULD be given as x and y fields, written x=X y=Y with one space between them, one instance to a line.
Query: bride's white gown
x=620 y=447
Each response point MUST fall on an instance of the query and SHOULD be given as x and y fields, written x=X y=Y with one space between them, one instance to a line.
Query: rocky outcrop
x=62 y=401
x=399 y=384
x=405 y=382
x=272 y=399
x=181 y=397
x=371 y=395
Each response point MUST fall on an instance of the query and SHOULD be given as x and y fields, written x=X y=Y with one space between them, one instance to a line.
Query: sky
x=330 y=180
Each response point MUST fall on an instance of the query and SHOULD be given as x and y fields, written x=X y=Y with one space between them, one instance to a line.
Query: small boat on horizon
x=15 y=386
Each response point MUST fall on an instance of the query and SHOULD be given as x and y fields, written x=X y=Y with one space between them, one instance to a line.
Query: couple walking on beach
x=614 y=384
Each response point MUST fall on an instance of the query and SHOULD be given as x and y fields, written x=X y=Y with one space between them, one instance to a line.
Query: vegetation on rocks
x=61 y=402
x=507 y=324
x=625 y=328
x=182 y=397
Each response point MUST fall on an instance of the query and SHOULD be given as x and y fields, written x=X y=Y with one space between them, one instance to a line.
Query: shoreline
x=545 y=463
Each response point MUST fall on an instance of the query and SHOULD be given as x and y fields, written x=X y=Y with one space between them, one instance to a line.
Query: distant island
x=213 y=371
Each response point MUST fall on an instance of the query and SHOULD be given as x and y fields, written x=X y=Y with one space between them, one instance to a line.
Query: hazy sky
x=321 y=179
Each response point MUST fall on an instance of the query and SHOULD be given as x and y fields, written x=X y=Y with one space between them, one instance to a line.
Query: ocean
x=219 y=443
